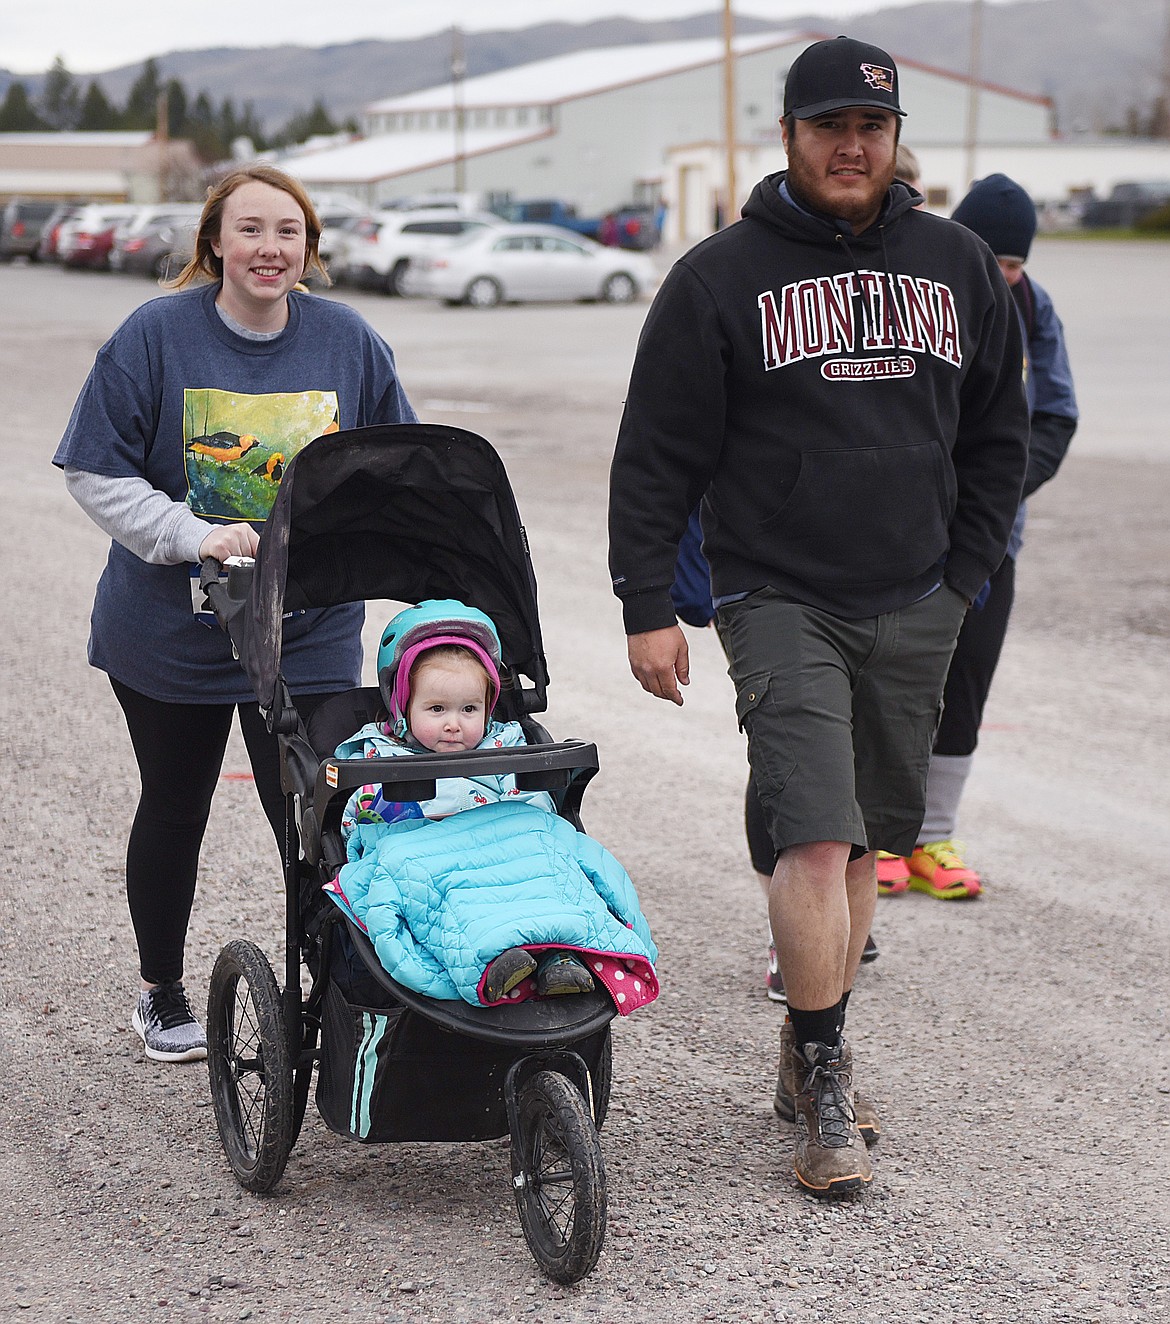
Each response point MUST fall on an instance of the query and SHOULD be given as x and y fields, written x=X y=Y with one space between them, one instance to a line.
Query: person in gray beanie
x=1002 y=214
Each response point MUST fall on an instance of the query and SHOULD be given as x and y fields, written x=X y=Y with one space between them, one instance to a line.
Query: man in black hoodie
x=839 y=377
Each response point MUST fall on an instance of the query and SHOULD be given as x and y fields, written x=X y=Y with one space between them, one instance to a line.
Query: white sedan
x=529 y=262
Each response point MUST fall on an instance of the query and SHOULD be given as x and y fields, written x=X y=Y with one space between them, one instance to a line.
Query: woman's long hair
x=204 y=265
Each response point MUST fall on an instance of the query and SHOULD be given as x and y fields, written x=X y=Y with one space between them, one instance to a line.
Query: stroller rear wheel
x=558 y=1176
x=248 y=1061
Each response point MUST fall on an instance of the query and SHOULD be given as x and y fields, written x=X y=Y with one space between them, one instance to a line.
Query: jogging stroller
x=403 y=512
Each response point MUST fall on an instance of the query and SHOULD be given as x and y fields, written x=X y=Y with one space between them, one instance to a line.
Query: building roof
x=544 y=83
x=59 y=141
x=578 y=74
x=388 y=154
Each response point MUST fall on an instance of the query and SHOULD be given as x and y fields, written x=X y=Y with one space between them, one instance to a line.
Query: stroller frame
x=391 y=1063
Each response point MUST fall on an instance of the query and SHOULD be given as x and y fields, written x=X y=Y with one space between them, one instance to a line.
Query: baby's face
x=448 y=705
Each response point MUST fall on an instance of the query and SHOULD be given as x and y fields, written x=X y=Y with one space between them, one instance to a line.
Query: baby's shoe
x=505 y=972
x=561 y=972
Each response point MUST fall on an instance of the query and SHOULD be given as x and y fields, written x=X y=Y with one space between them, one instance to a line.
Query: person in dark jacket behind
x=828 y=363
x=1001 y=213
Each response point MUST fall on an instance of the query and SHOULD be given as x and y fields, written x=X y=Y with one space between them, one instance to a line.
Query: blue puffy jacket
x=442 y=899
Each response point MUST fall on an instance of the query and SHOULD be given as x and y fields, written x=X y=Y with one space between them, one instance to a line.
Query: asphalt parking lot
x=1019 y=1046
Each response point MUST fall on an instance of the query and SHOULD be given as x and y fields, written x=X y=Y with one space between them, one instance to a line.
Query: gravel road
x=1018 y=1046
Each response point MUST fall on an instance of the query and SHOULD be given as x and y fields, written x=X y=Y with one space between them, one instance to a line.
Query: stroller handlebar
x=238 y=580
x=536 y=767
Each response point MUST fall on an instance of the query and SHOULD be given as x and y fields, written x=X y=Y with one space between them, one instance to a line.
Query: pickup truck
x=625 y=227
x=1127 y=204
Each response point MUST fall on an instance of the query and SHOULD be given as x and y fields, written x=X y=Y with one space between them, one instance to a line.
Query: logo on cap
x=877 y=76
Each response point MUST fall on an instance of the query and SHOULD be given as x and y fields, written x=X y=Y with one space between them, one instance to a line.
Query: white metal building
x=597 y=127
x=605 y=127
x=1051 y=172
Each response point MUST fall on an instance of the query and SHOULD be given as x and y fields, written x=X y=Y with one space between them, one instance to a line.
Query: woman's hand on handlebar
x=230 y=540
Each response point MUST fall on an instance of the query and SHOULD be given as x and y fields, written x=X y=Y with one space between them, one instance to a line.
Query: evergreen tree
x=176 y=96
x=251 y=127
x=60 y=101
x=203 y=129
x=97 y=113
x=235 y=124
x=306 y=124
x=142 y=103
x=18 y=114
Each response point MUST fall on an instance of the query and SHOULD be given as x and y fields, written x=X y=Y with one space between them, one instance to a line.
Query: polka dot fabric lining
x=629 y=980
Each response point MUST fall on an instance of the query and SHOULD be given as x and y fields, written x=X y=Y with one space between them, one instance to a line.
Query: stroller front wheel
x=558 y=1177
x=249 y=1066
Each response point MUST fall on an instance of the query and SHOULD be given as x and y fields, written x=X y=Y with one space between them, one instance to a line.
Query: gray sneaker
x=169 y=1031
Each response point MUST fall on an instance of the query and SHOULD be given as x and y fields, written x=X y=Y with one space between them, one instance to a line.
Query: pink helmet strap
x=402 y=676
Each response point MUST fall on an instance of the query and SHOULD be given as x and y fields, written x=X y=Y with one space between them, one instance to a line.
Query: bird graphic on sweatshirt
x=223 y=446
x=272 y=467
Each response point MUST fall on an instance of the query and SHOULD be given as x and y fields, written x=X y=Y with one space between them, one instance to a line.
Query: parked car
x=439 y=200
x=86 y=240
x=381 y=251
x=1126 y=204
x=156 y=242
x=21 y=226
x=624 y=227
x=523 y=262
x=47 y=247
x=338 y=232
x=550 y=211
x=637 y=227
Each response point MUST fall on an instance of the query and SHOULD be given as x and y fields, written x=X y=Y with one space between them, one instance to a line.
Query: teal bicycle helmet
x=433 y=622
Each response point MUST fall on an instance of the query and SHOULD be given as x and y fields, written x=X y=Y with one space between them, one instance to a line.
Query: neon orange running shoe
x=893 y=873
x=937 y=868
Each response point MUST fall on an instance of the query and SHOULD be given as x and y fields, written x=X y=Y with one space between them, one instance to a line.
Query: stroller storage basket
x=409 y=1067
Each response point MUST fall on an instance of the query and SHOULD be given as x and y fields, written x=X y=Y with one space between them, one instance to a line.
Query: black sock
x=816 y=1027
x=844 y=1004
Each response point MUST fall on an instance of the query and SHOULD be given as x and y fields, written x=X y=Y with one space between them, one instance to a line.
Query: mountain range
x=1099 y=62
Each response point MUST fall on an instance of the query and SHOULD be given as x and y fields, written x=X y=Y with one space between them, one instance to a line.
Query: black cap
x=839 y=72
x=999 y=211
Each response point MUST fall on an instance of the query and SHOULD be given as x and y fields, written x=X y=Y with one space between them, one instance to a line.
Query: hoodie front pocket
x=864 y=515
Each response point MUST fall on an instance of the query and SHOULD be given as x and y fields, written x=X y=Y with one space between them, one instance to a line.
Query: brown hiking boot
x=830 y=1154
x=788 y=1085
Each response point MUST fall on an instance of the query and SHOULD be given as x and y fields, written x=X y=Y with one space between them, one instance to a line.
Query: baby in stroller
x=506 y=894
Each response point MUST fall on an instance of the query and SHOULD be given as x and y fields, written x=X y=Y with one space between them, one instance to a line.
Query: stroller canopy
x=407 y=512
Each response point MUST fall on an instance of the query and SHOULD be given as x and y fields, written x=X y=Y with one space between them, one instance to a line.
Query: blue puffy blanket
x=440 y=900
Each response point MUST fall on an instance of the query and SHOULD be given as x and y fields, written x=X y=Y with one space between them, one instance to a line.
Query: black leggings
x=180 y=748
x=973 y=665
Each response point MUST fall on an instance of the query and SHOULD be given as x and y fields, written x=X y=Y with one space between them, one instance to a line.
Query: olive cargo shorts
x=840 y=715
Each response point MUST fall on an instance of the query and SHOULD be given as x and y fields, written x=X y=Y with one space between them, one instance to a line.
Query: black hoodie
x=850 y=406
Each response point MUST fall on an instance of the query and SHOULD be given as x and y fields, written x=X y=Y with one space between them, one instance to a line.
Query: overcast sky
x=91 y=35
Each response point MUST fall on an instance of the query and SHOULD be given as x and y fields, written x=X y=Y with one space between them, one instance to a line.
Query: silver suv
x=20 y=229
x=381 y=249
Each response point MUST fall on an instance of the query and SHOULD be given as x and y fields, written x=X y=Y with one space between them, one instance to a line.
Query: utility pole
x=458 y=72
x=161 y=137
x=973 y=88
x=729 y=109
x=1161 y=116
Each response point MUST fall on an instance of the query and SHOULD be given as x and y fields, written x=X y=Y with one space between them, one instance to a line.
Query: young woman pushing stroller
x=193 y=409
